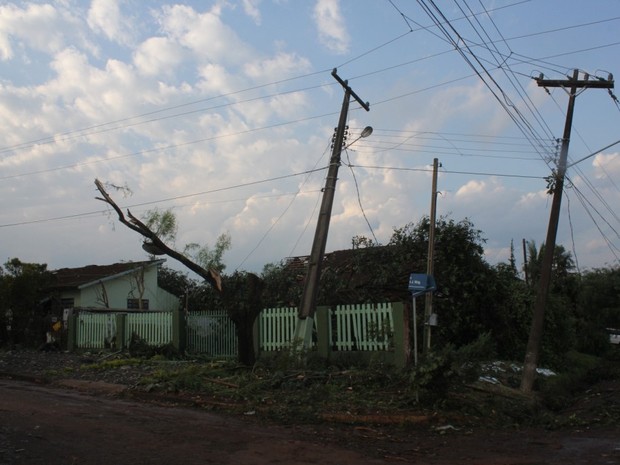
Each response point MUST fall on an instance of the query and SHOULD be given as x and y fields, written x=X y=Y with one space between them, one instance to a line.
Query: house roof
x=381 y=271
x=75 y=278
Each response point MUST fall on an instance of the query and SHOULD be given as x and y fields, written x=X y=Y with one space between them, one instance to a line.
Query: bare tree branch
x=210 y=275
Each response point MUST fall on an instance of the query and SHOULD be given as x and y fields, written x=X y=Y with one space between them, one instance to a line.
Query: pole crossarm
x=345 y=84
x=578 y=84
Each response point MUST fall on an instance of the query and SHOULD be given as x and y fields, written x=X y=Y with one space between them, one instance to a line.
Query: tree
x=561 y=303
x=598 y=309
x=22 y=290
x=241 y=297
x=474 y=298
x=155 y=242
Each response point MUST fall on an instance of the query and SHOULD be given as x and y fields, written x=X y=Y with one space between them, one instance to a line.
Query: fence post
x=402 y=352
x=323 y=334
x=179 y=330
x=71 y=331
x=121 y=322
x=256 y=335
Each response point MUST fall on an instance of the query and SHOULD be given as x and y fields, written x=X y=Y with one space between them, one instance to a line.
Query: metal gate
x=211 y=333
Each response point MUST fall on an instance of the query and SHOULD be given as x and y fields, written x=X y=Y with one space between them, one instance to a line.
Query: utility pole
x=533 y=345
x=311 y=286
x=525 y=266
x=428 y=303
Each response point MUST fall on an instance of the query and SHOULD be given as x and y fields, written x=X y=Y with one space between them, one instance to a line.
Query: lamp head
x=367 y=131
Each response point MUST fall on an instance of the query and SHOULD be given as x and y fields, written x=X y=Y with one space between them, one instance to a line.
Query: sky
x=224 y=111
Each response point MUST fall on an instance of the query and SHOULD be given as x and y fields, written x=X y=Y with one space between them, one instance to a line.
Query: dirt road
x=47 y=425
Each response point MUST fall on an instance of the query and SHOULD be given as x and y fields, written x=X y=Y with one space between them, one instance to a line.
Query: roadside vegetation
x=456 y=388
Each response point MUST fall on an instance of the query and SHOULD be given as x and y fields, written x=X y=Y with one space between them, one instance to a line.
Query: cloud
x=607 y=166
x=158 y=56
x=204 y=34
x=43 y=28
x=105 y=17
x=251 y=9
x=331 y=26
x=81 y=76
x=279 y=67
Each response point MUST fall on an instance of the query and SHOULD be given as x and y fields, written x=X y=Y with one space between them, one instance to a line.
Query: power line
x=471 y=173
x=593 y=154
x=359 y=198
x=178 y=197
x=273 y=224
x=168 y=147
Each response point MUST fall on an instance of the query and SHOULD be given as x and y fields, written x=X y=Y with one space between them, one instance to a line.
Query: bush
x=441 y=371
x=581 y=371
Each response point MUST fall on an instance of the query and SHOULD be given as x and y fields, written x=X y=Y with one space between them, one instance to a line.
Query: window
x=134 y=304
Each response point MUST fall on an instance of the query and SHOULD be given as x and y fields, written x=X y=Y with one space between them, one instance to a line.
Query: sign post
x=419 y=284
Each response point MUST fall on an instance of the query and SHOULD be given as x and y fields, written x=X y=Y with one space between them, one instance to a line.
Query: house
x=128 y=286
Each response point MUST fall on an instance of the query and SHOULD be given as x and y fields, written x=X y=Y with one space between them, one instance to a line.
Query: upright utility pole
x=525 y=266
x=311 y=286
x=533 y=345
x=430 y=266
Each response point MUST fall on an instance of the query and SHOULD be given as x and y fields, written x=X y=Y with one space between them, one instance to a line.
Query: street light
x=365 y=133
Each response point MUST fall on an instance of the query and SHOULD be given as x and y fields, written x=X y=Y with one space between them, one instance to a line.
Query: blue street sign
x=421 y=283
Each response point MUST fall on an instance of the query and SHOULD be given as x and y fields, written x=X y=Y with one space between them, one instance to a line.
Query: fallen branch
x=133 y=223
x=223 y=383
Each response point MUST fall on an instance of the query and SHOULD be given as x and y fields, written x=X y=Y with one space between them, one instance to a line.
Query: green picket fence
x=277 y=328
x=95 y=330
x=351 y=327
x=365 y=327
x=153 y=327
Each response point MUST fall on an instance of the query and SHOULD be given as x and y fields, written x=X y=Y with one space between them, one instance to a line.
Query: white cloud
x=251 y=9
x=41 y=27
x=158 y=56
x=104 y=16
x=331 y=26
x=472 y=189
x=607 y=165
x=277 y=68
x=204 y=34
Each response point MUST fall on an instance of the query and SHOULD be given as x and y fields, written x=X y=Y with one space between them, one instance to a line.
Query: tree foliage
x=163 y=223
x=22 y=290
x=210 y=257
x=598 y=309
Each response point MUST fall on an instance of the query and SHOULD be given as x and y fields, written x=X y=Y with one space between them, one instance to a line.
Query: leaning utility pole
x=430 y=266
x=311 y=285
x=533 y=345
